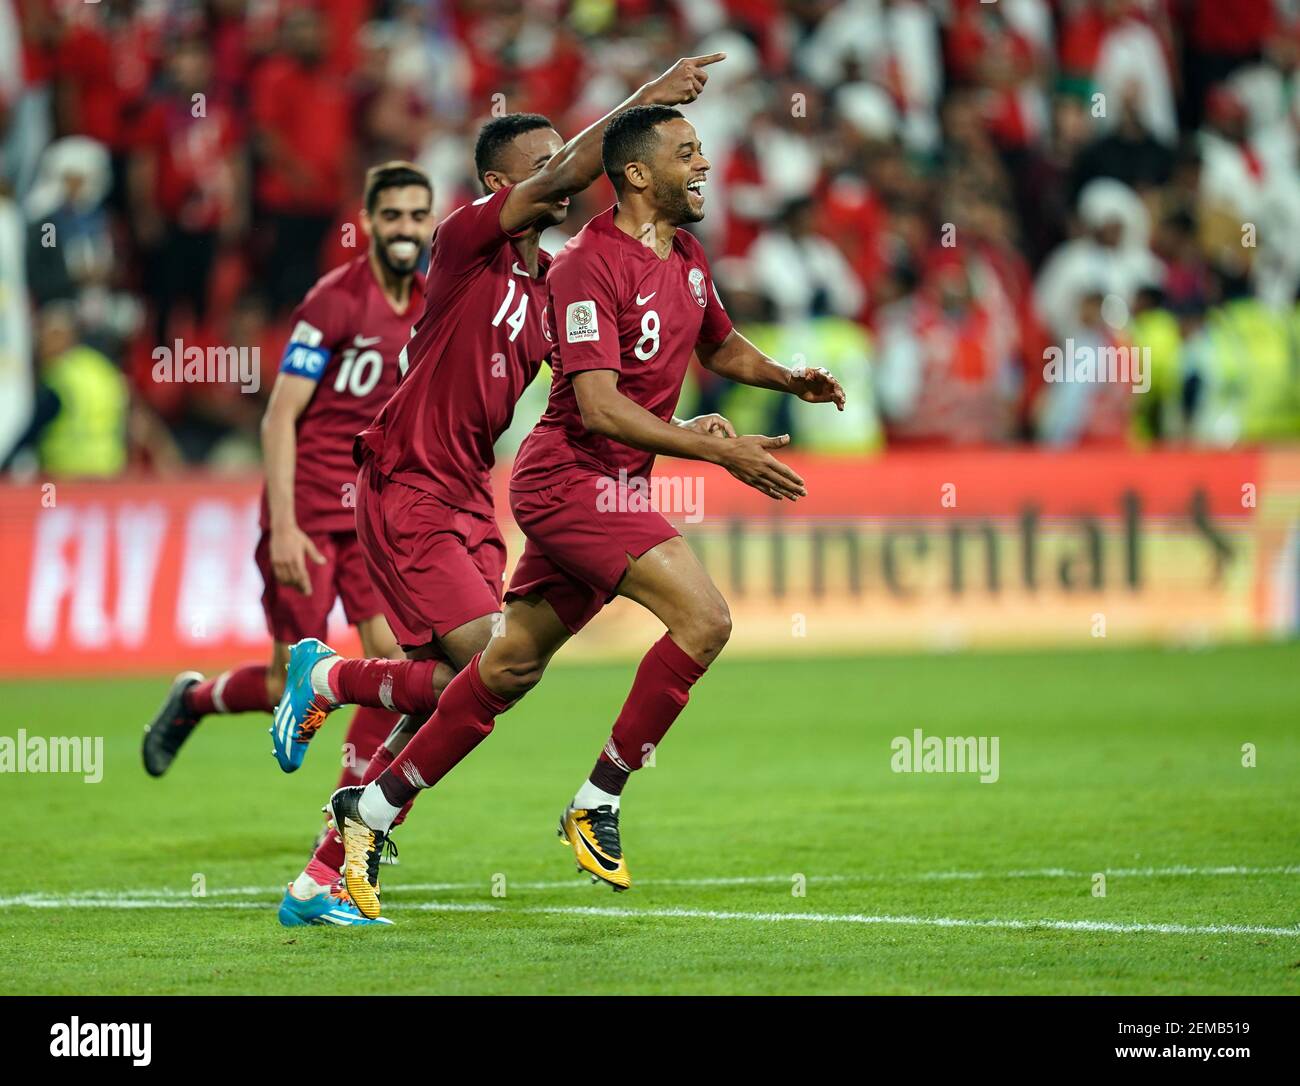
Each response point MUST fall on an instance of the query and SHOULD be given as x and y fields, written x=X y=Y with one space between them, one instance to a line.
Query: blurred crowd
x=927 y=196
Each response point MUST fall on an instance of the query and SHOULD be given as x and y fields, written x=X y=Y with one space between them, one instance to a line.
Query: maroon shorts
x=291 y=616
x=435 y=567
x=581 y=532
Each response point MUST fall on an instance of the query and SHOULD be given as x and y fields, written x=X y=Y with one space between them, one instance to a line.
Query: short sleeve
x=317 y=327
x=583 y=307
x=716 y=325
x=472 y=233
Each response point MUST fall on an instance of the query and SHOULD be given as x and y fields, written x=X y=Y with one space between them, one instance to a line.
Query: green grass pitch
x=1122 y=762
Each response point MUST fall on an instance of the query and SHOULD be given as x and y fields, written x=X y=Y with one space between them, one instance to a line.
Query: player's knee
x=711 y=629
x=513 y=678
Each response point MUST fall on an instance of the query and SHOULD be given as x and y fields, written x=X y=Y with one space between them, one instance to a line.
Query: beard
x=398 y=267
x=674 y=203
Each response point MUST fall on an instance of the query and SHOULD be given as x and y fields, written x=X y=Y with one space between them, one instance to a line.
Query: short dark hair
x=393 y=175
x=630 y=137
x=499 y=133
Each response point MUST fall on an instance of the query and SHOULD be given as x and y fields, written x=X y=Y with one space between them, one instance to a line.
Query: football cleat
x=363 y=849
x=390 y=852
x=593 y=834
x=301 y=711
x=173 y=725
x=331 y=908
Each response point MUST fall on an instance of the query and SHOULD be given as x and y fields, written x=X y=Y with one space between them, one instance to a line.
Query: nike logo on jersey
x=642 y=301
x=361 y=341
x=520 y=271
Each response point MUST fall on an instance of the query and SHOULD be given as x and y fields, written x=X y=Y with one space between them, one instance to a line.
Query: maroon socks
x=239 y=690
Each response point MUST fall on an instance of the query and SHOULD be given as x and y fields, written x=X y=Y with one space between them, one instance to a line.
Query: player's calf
x=659 y=693
x=243 y=689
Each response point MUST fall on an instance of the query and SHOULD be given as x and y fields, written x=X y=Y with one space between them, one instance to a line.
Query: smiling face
x=527 y=153
x=677 y=170
x=399 y=226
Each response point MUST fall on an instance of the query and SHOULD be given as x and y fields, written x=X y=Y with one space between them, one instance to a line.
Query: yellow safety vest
x=1256 y=368
x=88 y=436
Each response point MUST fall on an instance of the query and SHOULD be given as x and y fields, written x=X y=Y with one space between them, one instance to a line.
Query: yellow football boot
x=593 y=835
x=362 y=850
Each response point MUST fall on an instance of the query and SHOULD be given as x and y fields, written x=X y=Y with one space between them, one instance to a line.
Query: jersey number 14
x=515 y=322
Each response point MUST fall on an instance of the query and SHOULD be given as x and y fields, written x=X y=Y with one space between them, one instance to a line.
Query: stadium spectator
x=72 y=254
x=1113 y=255
x=801 y=272
x=187 y=180
x=1128 y=152
x=945 y=375
x=1087 y=411
x=301 y=116
x=79 y=428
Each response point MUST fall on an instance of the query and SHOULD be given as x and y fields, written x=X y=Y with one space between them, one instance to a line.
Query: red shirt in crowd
x=308 y=114
x=194 y=181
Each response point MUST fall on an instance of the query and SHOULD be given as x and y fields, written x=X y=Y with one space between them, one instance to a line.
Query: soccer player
x=424 y=509
x=630 y=298
x=338 y=369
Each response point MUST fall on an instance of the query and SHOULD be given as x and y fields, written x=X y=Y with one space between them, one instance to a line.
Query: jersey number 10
x=359 y=373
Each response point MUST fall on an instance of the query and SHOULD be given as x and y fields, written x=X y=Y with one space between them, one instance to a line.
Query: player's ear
x=637 y=175
x=494 y=182
x=367 y=226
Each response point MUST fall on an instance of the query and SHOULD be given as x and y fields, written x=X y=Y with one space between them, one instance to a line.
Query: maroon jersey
x=347 y=338
x=614 y=305
x=481 y=342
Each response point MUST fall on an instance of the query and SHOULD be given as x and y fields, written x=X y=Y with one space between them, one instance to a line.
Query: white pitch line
x=861 y=918
x=678 y=913
x=397 y=889
x=43 y=901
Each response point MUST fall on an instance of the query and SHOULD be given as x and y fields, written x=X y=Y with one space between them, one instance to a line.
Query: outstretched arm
x=736 y=359
x=578 y=163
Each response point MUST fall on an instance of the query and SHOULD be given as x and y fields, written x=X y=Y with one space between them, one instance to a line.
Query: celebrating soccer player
x=338 y=369
x=630 y=298
x=424 y=500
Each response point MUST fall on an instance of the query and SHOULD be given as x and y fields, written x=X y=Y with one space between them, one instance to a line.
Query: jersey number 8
x=648 y=345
